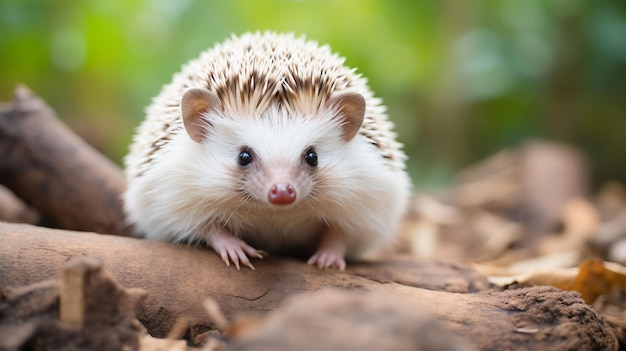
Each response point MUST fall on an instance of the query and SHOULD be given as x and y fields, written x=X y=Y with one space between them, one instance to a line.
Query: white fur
x=191 y=186
x=178 y=189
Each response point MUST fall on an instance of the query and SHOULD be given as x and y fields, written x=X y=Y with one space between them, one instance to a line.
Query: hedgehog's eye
x=310 y=156
x=245 y=157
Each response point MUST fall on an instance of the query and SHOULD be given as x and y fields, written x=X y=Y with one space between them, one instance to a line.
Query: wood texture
x=179 y=278
x=51 y=169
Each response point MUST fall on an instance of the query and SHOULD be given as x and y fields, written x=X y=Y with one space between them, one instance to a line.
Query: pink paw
x=328 y=258
x=231 y=248
x=331 y=250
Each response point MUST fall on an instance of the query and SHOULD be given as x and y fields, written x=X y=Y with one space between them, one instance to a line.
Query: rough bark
x=53 y=170
x=179 y=278
x=86 y=310
x=539 y=318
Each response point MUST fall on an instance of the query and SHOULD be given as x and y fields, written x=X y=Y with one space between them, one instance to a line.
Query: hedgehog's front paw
x=325 y=258
x=330 y=252
x=231 y=248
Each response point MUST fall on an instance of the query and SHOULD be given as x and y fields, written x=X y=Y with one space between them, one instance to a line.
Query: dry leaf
x=596 y=278
x=592 y=278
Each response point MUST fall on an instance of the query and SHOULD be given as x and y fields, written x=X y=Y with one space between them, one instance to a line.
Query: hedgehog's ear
x=351 y=108
x=194 y=103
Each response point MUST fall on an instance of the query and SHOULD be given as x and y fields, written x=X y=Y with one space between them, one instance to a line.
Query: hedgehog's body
x=268 y=140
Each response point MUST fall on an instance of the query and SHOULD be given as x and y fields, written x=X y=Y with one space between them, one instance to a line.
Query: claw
x=330 y=252
x=224 y=256
x=231 y=248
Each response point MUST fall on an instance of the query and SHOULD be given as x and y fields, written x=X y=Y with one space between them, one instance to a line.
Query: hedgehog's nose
x=282 y=194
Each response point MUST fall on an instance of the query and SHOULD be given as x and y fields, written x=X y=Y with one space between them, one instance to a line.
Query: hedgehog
x=268 y=143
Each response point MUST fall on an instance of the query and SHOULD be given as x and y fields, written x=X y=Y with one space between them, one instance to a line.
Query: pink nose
x=282 y=194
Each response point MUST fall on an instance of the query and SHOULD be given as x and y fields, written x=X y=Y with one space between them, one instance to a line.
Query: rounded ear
x=351 y=108
x=194 y=103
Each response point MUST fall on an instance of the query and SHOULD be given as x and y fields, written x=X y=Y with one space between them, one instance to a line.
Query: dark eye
x=311 y=157
x=245 y=157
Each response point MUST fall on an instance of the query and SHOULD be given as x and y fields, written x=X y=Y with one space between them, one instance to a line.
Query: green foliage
x=462 y=79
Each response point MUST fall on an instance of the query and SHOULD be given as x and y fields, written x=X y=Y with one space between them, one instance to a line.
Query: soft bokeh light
x=462 y=80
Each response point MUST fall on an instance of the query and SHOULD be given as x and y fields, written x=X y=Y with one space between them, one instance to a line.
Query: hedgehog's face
x=277 y=159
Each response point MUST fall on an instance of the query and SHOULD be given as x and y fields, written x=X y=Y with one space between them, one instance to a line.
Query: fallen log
x=54 y=171
x=539 y=318
x=179 y=278
x=14 y=210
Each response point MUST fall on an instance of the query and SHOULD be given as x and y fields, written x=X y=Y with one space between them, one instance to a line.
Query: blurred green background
x=462 y=78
